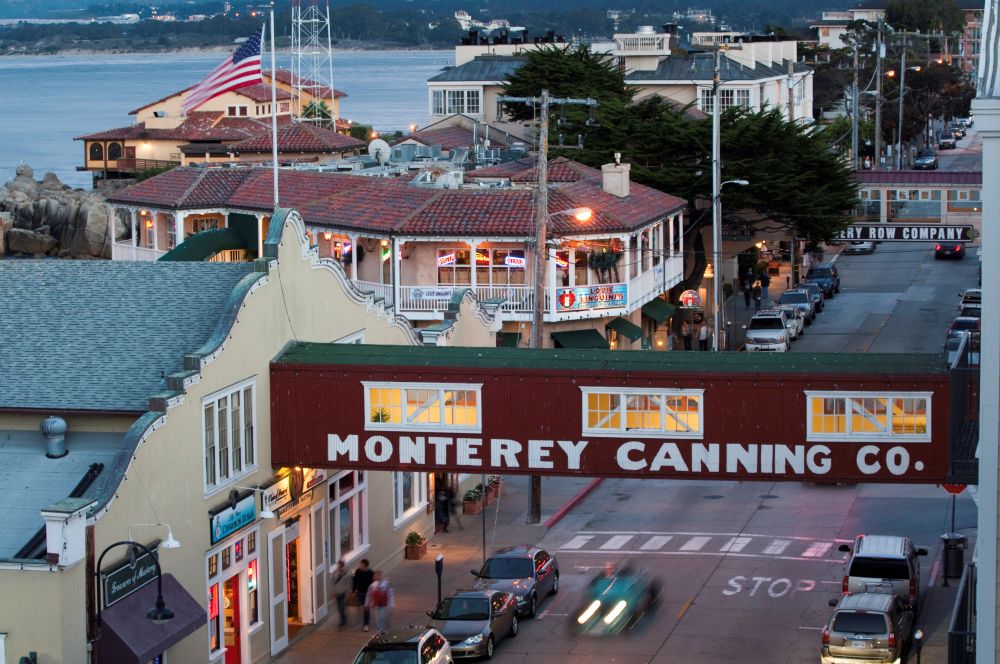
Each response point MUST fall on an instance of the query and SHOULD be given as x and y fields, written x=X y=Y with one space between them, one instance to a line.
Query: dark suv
x=825 y=275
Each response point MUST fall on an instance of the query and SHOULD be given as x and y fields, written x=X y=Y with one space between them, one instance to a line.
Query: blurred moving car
x=859 y=247
x=474 y=621
x=768 y=330
x=796 y=321
x=957 y=129
x=406 y=645
x=925 y=160
x=883 y=564
x=949 y=250
x=529 y=573
x=947 y=141
x=615 y=601
x=827 y=276
x=801 y=300
x=867 y=627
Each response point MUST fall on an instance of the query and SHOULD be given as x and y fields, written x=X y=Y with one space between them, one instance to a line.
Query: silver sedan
x=474 y=621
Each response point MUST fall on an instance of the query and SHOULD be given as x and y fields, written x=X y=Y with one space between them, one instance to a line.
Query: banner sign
x=230 y=518
x=624 y=458
x=893 y=232
x=125 y=579
x=516 y=261
x=607 y=296
x=430 y=293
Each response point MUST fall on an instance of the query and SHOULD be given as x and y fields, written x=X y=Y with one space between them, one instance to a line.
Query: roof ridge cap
x=187 y=192
x=438 y=194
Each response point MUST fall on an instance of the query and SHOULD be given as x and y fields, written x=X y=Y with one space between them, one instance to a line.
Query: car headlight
x=473 y=640
x=519 y=598
x=615 y=611
x=783 y=339
x=589 y=612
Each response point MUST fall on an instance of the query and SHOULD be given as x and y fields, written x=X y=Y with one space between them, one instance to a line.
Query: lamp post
x=717 y=256
x=902 y=91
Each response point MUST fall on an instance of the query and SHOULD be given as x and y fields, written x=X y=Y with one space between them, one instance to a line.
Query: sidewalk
x=938 y=604
x=415 y=582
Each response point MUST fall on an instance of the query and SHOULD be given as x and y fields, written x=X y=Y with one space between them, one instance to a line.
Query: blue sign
x=231 y=518
x=601 y=296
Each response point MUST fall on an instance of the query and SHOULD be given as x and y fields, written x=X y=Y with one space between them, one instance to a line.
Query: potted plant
x=416 y=545
x=472 y=503
x=495 y=483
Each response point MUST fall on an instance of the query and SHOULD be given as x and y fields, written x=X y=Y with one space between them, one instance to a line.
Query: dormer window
x=236 y=111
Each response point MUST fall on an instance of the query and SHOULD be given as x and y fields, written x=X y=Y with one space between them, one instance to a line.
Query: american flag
x=238 y=71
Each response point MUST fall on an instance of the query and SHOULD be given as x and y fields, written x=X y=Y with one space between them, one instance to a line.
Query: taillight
x=913 y=591
x=843 y=585
x=826 y=636
x=892 y=639
x=937 y=247
x=958 y=247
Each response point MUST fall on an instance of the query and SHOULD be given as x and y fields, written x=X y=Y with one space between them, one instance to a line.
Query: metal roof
x=701 y=67
x=481 y=68
x=873 y=364
x=101 y=335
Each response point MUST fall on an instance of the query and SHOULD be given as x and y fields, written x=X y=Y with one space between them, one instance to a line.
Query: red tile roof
x=253 y=92
x=505 y=170
x=301 y=137
x=448 y=138
x=377 y=204
x=286 y=77
x=923 y=178
x=560 y=169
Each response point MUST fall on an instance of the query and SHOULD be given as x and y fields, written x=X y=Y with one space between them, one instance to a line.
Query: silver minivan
x=867 y=627
x=883 y=564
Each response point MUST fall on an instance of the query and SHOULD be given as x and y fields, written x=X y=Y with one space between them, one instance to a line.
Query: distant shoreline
x=198 y=50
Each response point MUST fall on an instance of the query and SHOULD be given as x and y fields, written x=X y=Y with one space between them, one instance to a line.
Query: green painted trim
x=202 y=246
x=625 y=327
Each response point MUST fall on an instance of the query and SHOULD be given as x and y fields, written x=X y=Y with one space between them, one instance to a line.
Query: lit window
x=835 y=416
x=649 y=413
x=409 y=493
x=348 y=514
x=423 y=406
x=227 y=430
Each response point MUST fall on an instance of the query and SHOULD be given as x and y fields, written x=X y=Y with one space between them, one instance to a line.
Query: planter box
x=489 y=496
x=416 y=551
x=472 y=506
x=497 y=488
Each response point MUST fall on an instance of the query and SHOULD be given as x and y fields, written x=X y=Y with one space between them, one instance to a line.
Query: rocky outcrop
x=49 y=218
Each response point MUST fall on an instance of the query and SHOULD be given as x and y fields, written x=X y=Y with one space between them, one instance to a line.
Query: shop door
x=278 y=590
x=233 y=620
x=320 y=568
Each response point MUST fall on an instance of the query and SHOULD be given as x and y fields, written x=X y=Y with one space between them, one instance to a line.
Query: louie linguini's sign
x=894 y=232
x=226 y=520
x=128 y=577
x=622 y=458
x=592 y=297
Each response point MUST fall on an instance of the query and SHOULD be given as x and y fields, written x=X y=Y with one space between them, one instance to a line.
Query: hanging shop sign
x=312 y=477
x=690 y=299
x=236 y=514
x=894 y=232
x=277 y=495
x=606 y=296
x=128 y=577
x=736 y=228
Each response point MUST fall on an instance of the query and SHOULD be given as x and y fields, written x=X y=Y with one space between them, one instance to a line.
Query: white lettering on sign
x=775 y=588
x=633 y=456
x=904 y=232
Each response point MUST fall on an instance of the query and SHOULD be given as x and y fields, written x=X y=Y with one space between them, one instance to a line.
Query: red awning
x=129 y=637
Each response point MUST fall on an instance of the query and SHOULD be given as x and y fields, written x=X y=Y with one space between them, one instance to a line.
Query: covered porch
x=147 y=234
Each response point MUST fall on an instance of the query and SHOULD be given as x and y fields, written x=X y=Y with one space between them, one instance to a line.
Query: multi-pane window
x=423 y=406
x=454 y=267
x=228 y=434
x=861 y=416
x=914 y=204
x=437 y=102
x=870 y=206
x=348 y=514
x=728 y=98
x=449 y=102
x=644 y=412
x=409 y=495
x=964 y=200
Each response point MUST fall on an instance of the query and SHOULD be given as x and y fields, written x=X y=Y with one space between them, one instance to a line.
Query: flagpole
x=274 y=115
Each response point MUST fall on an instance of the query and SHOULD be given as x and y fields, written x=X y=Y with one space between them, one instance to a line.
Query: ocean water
x=46 y=101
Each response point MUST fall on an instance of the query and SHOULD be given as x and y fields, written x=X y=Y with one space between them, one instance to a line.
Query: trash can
x=954 y=554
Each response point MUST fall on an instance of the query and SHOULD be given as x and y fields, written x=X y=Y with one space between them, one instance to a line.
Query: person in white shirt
x=703 y=334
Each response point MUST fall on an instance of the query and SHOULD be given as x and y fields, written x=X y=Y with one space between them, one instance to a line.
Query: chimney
x=54 y=431
x=616 y=177
x=65 y=530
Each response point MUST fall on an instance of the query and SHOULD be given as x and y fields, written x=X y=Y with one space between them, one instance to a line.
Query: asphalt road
x=748 y=567
x=968 y=156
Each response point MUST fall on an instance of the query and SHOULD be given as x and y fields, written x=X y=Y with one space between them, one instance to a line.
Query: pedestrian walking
x=765 y=281
x=363 y=578
x=747 y=288
x=686 y=334
x=342 y=585
x=757 y=292
x=703 y=335
x=381 y=598
x=455 y=506
x=442 y=509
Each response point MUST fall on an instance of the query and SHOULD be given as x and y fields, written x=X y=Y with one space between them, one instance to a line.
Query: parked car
x=528 y=572
x=614 y=601
x=949 y=250
x=964 y=324
x=815 y=292
x=957 y=129
x=970 y=296
x=925 y=160
x=859 y=247
x=802 y=301
x=406 y=645
x=868 y=627
x=768 y=330
x=972 y=309
x=966 y=121
x=474 y=621
x=827 y=276
x=885 y=564
x=947 y=141
x=796 y=320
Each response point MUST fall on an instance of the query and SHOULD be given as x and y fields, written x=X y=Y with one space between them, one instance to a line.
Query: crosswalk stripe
x=776 y=547
x=577 y=542
x=817 y=549
x=695 y=543
x=735 y=545
x=655 y=542
x=616 y=542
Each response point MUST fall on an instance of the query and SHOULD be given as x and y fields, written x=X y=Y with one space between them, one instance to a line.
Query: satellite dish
x=379 y=150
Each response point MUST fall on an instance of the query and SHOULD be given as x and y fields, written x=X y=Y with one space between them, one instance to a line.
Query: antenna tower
x=312 y=58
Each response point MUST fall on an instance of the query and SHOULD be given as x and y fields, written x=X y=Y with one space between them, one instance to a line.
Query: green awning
x=659 y=310
x=580 y=339
x=625 y=327
x=510 y=339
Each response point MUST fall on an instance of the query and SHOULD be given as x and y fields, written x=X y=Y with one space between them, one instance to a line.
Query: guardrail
x=962 y=628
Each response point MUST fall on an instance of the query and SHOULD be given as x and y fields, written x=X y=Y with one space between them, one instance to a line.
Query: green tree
x=318 y=109
x=925 y=15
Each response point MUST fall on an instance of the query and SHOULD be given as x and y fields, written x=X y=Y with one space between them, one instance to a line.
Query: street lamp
x=902 y=91
x=160 y=613
x=717 y=255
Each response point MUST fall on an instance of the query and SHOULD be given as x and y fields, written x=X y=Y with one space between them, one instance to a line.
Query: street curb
x=572 y=502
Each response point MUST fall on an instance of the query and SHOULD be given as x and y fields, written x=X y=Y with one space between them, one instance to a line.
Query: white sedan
x=796 y=320
x=859 y=247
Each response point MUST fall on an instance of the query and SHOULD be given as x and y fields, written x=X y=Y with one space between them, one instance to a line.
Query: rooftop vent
x=54 y=430
x=645 y=30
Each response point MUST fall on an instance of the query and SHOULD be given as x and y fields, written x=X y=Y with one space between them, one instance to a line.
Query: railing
x=229 y=256
x=383 y=291
x=962 y=629
x=139 y=165
x=516 y=299
x=125 y=251
x=963 y=433
x=647 y=285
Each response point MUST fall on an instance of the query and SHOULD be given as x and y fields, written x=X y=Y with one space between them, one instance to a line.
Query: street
x=968 y=156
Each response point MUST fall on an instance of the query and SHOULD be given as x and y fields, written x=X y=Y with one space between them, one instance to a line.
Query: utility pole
x=855 y=161
x=879 y=50
x=716 y=186
x=541 y=251
x=791 y=96
x=899 y=125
